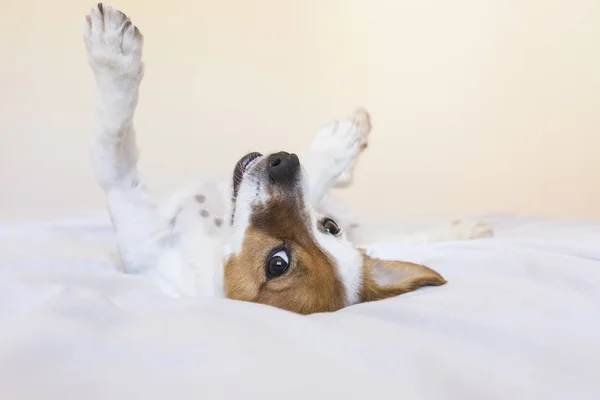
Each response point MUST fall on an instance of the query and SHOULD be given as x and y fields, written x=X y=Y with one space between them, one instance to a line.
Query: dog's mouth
x=240 y=169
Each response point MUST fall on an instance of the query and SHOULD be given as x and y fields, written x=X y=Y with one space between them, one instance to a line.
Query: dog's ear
x=386 y=278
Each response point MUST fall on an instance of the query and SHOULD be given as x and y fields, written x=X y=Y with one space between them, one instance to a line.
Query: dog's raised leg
x=330 y=159
x=114 y=49
x=362 y=119
x=456 y=230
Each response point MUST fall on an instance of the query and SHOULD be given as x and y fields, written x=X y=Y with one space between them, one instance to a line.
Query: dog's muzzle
x=281 y=169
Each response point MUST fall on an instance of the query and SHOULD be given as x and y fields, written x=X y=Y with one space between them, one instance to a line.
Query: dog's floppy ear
x=386 y=278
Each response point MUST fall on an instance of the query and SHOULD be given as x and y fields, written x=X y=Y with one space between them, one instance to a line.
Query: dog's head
x=282 y=252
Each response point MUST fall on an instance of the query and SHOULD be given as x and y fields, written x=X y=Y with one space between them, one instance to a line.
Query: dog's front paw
x=114 y=45
x=471 y=229
x=363 y=122
x=336 y=146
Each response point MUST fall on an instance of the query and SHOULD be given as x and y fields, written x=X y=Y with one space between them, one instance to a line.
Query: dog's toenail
x=101 y=8
x=126 y=26
x=218 y=221
x=204 y=213
x=200 y=198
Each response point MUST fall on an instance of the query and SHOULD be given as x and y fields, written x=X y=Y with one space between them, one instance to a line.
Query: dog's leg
x=332 y=156
x=363 y=121
x=457 y=230
x=114 y=49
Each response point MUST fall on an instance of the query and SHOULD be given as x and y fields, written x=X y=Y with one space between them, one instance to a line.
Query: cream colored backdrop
x=478 y=105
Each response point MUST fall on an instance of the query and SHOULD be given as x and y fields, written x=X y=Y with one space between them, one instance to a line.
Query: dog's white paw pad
x=114 y=44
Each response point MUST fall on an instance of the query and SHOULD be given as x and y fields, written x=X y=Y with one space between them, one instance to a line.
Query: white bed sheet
x=519 y=319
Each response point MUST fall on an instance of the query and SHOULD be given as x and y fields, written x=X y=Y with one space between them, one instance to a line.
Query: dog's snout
x=283 y=167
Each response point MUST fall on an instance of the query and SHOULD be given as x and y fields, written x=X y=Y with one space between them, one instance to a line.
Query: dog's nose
x=283 y=167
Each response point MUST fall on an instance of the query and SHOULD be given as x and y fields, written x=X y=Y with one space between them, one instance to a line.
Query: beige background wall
x=478 y=105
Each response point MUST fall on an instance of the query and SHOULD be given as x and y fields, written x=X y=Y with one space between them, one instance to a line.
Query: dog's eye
x=277 y=264
x=330 y=226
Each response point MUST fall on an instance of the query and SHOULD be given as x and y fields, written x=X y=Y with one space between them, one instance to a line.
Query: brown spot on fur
x=387 y=278
x=200 y=198
x=204 y=213
x=311 y=283
x=218 y=221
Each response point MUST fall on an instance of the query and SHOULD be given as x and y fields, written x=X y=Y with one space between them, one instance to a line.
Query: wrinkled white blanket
x=519 y=319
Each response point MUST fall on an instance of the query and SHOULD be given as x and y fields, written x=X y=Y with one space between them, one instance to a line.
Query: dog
x=265 y=237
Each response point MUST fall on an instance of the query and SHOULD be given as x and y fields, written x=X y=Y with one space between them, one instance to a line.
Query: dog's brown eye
x=277 y=264
x=331 y=227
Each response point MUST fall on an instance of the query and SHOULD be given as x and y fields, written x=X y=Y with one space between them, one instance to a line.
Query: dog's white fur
x=181 y=244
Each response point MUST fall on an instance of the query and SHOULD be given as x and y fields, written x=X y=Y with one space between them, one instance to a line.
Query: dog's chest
x=189 y=266
x=188 y=262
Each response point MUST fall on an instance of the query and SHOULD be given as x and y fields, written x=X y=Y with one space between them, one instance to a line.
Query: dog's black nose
x=283 y=167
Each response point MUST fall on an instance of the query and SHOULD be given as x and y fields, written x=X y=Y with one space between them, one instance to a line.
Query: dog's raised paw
x=340 y=140
x=113 y=43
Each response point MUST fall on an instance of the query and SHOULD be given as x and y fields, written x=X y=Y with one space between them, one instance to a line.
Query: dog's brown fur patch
x=311 y=283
